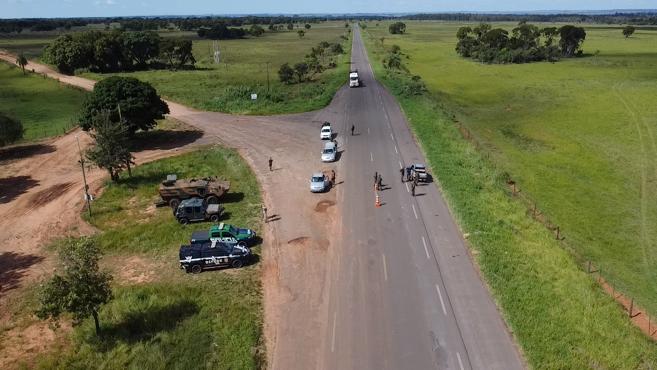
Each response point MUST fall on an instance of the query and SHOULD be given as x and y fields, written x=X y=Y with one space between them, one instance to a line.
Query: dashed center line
x=392 y=137
x=458 y=357
x=371 y=157
x=385 y=268
x=368 y=130
x=396 y=151
x=400 y=165
x=407 y=189
x=414 y=211
x=426 y=250
x=442 y=303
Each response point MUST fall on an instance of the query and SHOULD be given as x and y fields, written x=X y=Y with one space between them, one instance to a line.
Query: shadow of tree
x=163 y=139
x=12 y=187
x=144 y=325
x=23 y=151
x=13 y=267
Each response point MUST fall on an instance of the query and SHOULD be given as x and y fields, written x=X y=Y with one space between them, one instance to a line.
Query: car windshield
x=353 y=78
x=317 y=179
x=327 y=151
x=233 y=230
x=326 y=129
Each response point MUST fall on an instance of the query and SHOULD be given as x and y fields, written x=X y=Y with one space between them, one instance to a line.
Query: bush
x=397 y=28
x=11 y=130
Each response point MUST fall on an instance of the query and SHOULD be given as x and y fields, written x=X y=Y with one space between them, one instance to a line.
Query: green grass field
x=227 y=87
x=212 y=320
x=568 y=133
x=44 y=106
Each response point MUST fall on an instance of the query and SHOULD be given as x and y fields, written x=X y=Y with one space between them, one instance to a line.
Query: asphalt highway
x=403 y=292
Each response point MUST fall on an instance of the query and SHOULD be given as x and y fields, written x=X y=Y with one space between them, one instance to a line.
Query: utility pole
x=267 y=77
x=84 y=177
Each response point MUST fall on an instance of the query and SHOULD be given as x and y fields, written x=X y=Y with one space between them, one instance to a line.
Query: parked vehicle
x=194 y=209
x=419 y=172
x=329 y=152
x=354 y=79
x=198 y=256
x=173 y=191
x=326 y=133
x=319 y=182
x=241 y=236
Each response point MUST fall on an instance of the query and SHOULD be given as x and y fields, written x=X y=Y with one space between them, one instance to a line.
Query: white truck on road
x=354 y=80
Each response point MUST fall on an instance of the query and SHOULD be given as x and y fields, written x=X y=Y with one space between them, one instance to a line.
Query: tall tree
x=79 y=287
x=21 y=61
x=571 y=40
x=301 y=70
x=11 y=130
x=301 y=33
x=142 y=47
x=628 y=31
x=111 y=148
x=139 y=102
x=307 y=26
x=177 y=52
x=397 y=28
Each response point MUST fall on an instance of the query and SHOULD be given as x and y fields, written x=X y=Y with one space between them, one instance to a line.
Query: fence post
x=558 y=232
x=631 y=306
x=588 y=267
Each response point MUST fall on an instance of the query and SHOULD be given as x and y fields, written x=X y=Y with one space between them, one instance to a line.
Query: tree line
x=117 y=51
x=318 y=60
x=526 y=43
x=637 y=18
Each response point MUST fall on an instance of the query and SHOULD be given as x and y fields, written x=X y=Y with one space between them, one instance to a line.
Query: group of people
x=406 y=174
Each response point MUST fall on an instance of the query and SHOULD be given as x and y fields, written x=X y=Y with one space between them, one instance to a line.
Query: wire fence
x=635 y=314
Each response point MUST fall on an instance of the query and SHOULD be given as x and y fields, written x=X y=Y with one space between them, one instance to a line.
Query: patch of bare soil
x=300 y=241
x=22 y=344
x=49 y=194
x=323 y=205
x=135 y=269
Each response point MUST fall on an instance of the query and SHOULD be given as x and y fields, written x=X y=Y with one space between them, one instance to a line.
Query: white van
x=329 y=151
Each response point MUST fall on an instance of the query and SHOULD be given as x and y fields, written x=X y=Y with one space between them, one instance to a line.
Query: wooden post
x=631 y=307
x=588 y=267
x=558 y=232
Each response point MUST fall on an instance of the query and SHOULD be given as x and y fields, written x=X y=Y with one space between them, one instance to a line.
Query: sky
x=108 y=8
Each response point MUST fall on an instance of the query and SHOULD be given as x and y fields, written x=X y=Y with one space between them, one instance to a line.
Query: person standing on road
x=264 y=213
x=413 y=188
x=401 y=173
x=271 y=164
x=379 y=183
x=332 y=177
x=408 y=173
x=376 y=178
x=352 y=130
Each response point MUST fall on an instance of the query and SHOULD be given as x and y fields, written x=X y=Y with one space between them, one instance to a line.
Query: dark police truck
x=207 y=253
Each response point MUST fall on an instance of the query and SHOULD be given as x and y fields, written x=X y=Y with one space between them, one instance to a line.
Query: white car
x=326 y=133
x=329 y=151
x=319 y=182
x=354 y=80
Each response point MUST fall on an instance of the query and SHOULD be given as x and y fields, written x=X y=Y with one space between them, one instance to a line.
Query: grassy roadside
x=560 y=317
x=160 y=316
x=227 y=87
x=44 y=106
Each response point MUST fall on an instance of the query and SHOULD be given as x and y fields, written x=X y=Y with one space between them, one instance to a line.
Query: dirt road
x=296 y=240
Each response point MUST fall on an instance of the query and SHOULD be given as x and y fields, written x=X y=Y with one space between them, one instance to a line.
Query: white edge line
x=371 y=157
x=414 y=211
x=458 y=357
x=335 y=314
x=407 y=189
x=385 y=268
x=426 y=250
x=442 y=303
x=396 y=151
x=400 y=165
x=392 y=137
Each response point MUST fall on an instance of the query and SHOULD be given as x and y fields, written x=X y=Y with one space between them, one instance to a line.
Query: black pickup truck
x=212 y=253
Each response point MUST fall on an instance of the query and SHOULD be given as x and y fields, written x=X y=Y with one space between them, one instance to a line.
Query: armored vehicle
x=209 y=189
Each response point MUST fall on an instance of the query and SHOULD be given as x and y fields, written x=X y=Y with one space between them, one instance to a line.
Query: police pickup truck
x=201 y=255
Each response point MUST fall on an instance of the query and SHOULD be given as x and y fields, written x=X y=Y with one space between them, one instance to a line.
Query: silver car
x=319 y=182
x=328 y=153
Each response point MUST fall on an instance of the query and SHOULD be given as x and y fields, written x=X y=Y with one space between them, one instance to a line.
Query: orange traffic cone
x=377 y=203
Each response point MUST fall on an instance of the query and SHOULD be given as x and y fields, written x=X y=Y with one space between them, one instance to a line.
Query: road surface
x=403 y=291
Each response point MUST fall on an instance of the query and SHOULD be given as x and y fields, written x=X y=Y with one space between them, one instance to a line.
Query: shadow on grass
x=13 y=267
x=12 y=187
x=24 y=151
x=232 y=197
x=144 y=325
x=163 y=139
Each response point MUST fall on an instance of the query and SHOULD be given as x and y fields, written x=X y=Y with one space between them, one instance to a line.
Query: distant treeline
x=527 y=43
x=148 y=23
x=646 y=18
x=117 y=51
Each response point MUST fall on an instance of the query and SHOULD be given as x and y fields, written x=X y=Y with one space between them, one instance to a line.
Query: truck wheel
x=241 y=243
x=214 y=218
x=196 y=269
x=174 y=203
x=211 y=200
x=237 y=264
x=183 y=221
